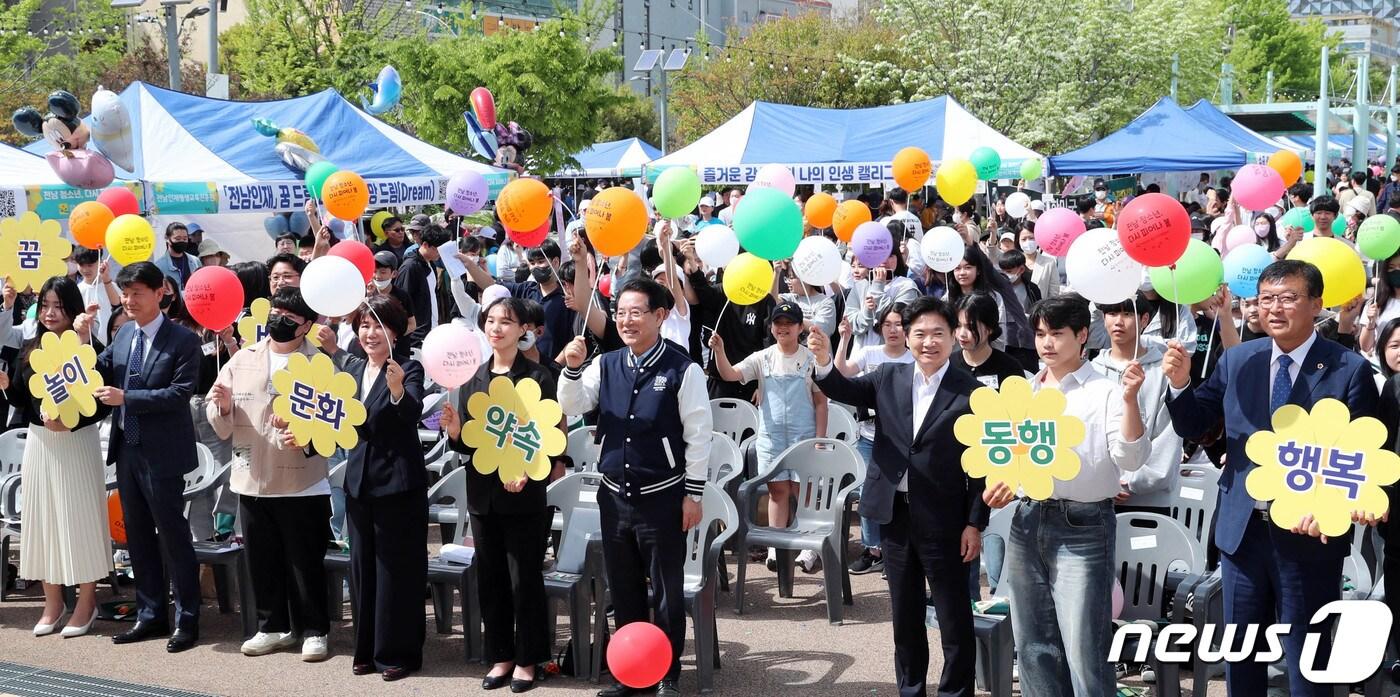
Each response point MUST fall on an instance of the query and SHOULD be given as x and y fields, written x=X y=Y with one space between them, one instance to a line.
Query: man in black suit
x=150 y=371
x=931 y=514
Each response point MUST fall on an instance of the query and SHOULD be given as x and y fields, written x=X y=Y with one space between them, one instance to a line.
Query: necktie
x=130 y=428
x=1278 y=396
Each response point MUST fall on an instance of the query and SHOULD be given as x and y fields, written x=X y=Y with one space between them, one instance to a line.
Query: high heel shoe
x=42 y=629
x=71 y=631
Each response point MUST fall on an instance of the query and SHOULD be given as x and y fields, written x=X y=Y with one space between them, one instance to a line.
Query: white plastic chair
x=12 y=444
x=447 y=505
x=725 y=465
x=1194 y=503
x=703 y=545
x=583 y=449
x=735 y=418
x=841 y=425
x=571 y=579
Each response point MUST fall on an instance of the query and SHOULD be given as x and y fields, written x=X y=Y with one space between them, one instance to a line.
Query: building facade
x=1366 y=26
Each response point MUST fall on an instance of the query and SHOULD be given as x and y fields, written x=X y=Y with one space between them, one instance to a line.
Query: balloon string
x=1210 y=340
x=387 y=341
x=1137 y=328
x=592 y=297
x=715 y=329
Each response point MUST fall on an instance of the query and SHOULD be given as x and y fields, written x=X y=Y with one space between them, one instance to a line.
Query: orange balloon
x=1288 y=165
x=820 y=208
x=524 y=204
x=615 y=221
x=346 y=195
x=849 y=215
x=116 y=524
x=911 y=168
x=88 y=222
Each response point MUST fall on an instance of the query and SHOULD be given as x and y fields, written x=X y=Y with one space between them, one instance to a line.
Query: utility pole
x=1320 y=141
x=1361 y=117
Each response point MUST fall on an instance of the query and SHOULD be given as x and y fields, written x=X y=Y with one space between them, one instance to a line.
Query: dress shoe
x=669 y=687
x=44 y=629
x=141 y=632
x=517 y=685
x=182 y=640
x=362 y=668
x=73 y=631
x=495 y=682
x=395 y=673
x=619 y=690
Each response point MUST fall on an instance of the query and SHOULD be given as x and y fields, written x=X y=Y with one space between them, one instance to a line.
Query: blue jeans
x=1059 y=568
x=869 y=529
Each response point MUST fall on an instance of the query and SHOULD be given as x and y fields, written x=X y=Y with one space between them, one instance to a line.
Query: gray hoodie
x=1163 y=468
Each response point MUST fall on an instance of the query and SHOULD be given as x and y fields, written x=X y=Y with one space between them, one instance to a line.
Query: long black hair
x=981 y=309
x=973 y=255
x=70 y=300
x=1271 y=240
x=1381 y=339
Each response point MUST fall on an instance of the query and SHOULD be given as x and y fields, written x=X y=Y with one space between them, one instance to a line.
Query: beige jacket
x=261 y=467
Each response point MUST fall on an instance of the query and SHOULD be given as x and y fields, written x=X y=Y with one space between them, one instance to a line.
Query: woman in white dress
x=66 y=539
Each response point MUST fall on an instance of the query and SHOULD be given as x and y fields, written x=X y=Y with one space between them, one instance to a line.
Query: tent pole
x=1390 y=135
x=1320 y=141
x=1361 y=115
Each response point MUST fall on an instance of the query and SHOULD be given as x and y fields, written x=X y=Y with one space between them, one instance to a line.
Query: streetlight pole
x=663 y=111
x=213 y=36
x=172 y=46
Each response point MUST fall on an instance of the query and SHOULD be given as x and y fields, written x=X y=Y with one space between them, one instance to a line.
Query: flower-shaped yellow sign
x=1321 y=463
x=318 y=403
x=1020 y=437
x=32 y=251
x=65 y=374
x=513 y=430
x=253 y=325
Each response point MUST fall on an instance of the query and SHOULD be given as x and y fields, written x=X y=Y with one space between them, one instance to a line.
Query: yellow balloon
x=747 y=279
x=376 y=224
x=130 y=239
x=956 y=181
x=1343 y=276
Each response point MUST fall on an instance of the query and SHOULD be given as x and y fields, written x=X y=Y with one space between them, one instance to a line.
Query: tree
x=1266 y=37
x=289 y=48
x=632 y=116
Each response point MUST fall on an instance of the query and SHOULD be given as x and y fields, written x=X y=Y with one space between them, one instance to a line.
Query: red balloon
x=1154 y=229
x=484 y=106
x=605 y=286
x=120 y=200
x=214 y=297
x=639 y=655
x=532 y=238
x=358 y=254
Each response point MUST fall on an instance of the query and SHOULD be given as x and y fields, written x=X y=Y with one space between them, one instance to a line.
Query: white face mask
x=382 y=286
x=1261 y=231
x=1100 y=194
x=527 y=341
x=1030 y=247
x=957 y=218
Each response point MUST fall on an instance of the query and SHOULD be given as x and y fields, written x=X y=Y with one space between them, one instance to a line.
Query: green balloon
x=316 y=176
x=768 y=224
x=1298 y=217
x=1198 y=274
x=987 y=162
x=1378 y=237
x=677 y=192
x=1031 y=169
x=1339 y=226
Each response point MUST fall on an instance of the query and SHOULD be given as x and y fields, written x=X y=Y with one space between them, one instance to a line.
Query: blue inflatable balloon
x=275 y=225
x=1243 y=265
x=299 y=224
x=491 y=264
x=387 y=88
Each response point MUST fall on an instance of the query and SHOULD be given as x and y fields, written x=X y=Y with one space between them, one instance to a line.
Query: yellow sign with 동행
x=1321 y=463
x=1020 y=437
x=32 y=251
x=318 y=403
x=65 y=376
x=513 y=430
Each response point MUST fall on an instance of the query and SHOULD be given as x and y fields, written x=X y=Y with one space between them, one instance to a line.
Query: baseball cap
x=1038 y=205
x=1008 y=235
x=208 y=248
x=707 y=201
x=386 y=259
x=194 y=229
x=1098 y=184
x=788 y=311
x=584 y=206
x=419 y=222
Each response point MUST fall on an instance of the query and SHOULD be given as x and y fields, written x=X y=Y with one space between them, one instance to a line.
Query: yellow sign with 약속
x=513 y=430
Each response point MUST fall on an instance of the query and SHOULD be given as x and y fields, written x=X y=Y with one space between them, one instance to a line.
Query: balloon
x=1018 y=204
x=214 y=297
x=1057 y=229
x=532 y=238
x=1031 y=169
x=1309 y=176
x=88 y=222
x=615 y=221
x=820 y=209
x=130 y=239
x=768 y=224
x=484 y=107
x=358 y=254
x=491 y=294
x=872 y=244
x=111 y=128
x=816 y=261
x=747 y=279
x=1239 y=236
x=605 y=286
x=1154 y=229
x=387 y=88
x=81 y=169
x=1339 y=226
x=1197 y=275
x=676 y=193
x=275 y=225
x=1378 y=237
x=1343 y=275
x=1100 y=269
x=467 y=192
x=987 y=161
x=1376 y=170
x=716 y=245
x=911 y=168
x=491 y=264
x=451 y=354
x=298 y=224
x=1243 y=265
x=346 y=195
x=316 y=176
x=1298 y=217
x=639 y=655
x=116 y=523
x=376 y=223
x=297 y=157
x=1117 y=599
x=943 y=248
x=774 y=177
x=956 y=181
x=1288 y=165
x=332 y=286
x=525 y=204
x=849 y=215
x=1257 y=187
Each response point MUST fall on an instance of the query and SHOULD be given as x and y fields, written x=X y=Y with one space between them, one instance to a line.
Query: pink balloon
x=1257 y=187
x=1376 y=170
x=775 y=177
x=1057 y=229
x=872 y=243
x=1238 y=236
x=81 y=169
x=1117 y=599
x=451 y=355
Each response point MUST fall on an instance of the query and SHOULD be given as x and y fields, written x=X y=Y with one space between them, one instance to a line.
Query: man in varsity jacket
x=654 y=428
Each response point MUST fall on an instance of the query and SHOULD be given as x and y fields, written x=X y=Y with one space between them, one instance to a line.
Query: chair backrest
x=206 y=470
x=1356 y=569
x=719 y=520
x=452 y=489
x=12 y=450
x=1148 y=546
x=725 y=465
x=827 y=471
x=999 y=524
x=841 y=425
x=838 y=406
x=582 y=449
x=337 y=476
x=1194 y=503
x=576 y=497
x=735 y=418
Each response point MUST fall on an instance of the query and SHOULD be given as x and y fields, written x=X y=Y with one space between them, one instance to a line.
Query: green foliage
x=1267 y=38
x=632 y=116
x=288 y=48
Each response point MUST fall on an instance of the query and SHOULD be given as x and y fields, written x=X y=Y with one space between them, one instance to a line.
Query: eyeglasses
x=633 y=314
x=394 y=229
x=1287 y=301
x=285 y=276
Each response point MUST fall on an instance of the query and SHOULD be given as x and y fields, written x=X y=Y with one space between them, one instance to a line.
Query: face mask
x=282 y=328
x=1393 y=278
x=540 y=273
x=1100 y=194
x=180 y=247
x=382 y=286
x=957 y=218
x=72 y=268
x=1261 y=231
x=527 y=341
x=1030 y=247
x=165 y=302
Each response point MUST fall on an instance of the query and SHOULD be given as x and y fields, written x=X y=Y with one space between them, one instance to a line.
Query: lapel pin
x=1320 y=366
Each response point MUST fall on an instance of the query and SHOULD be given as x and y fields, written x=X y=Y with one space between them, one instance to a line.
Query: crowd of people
x=640 y=356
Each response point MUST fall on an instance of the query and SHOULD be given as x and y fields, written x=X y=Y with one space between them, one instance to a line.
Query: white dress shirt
x=1103 y=455
x=1298 y=355
x=924 y=390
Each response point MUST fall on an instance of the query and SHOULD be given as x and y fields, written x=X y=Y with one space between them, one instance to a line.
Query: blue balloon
x=299 y=223
x=491 y=264
x=1243 y=265
x=387 y=88
x=275 y=225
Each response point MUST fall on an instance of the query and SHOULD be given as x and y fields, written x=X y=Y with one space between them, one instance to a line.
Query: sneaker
x=772 y=561
x=315 y=648
x=867 y=563
x=809 y=561
x=264 y=643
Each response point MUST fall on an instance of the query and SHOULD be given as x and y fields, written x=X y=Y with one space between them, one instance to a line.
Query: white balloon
x=1099 y=269
x=332 y=286
x=111 y=128
x=1017 y=204
x=775 y=177
x=942 y=249
x=716 y=245
x=816 y=261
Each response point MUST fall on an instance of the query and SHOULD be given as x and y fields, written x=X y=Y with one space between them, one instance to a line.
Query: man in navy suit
x=150 y=371
x=931 y=513
x=1272 y=575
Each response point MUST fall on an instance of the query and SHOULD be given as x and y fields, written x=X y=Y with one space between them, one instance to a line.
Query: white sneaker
x=809 y=561
x=264 y=643
x=314 y=648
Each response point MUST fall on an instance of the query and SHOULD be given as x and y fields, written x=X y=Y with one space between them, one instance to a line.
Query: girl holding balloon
x=884 y=285
x=1385 y=306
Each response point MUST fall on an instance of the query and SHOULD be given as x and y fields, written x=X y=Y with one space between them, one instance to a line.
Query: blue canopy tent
x=1165 y=138
x=1231 y=130
x=616 y=158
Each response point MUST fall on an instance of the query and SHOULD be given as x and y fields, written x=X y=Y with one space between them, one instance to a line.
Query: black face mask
x=540 y=273
x=1393 y=278
x=282 y=328
x=180 y=247
x=166 y=301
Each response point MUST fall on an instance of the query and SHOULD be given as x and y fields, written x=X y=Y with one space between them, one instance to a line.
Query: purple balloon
x=467 y=192
x=872 y=243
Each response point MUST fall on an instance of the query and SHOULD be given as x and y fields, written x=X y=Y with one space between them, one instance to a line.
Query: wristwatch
x=695 y=497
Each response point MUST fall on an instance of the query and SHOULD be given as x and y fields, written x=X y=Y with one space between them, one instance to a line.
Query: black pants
x=510 y=584
x=152 y=505
x=388 y=576
x=285 y=538
x=642 y=538
x=916 y=559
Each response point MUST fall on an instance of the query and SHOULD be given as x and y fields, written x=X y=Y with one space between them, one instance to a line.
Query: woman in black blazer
x=386 y=496
x=510 y=521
